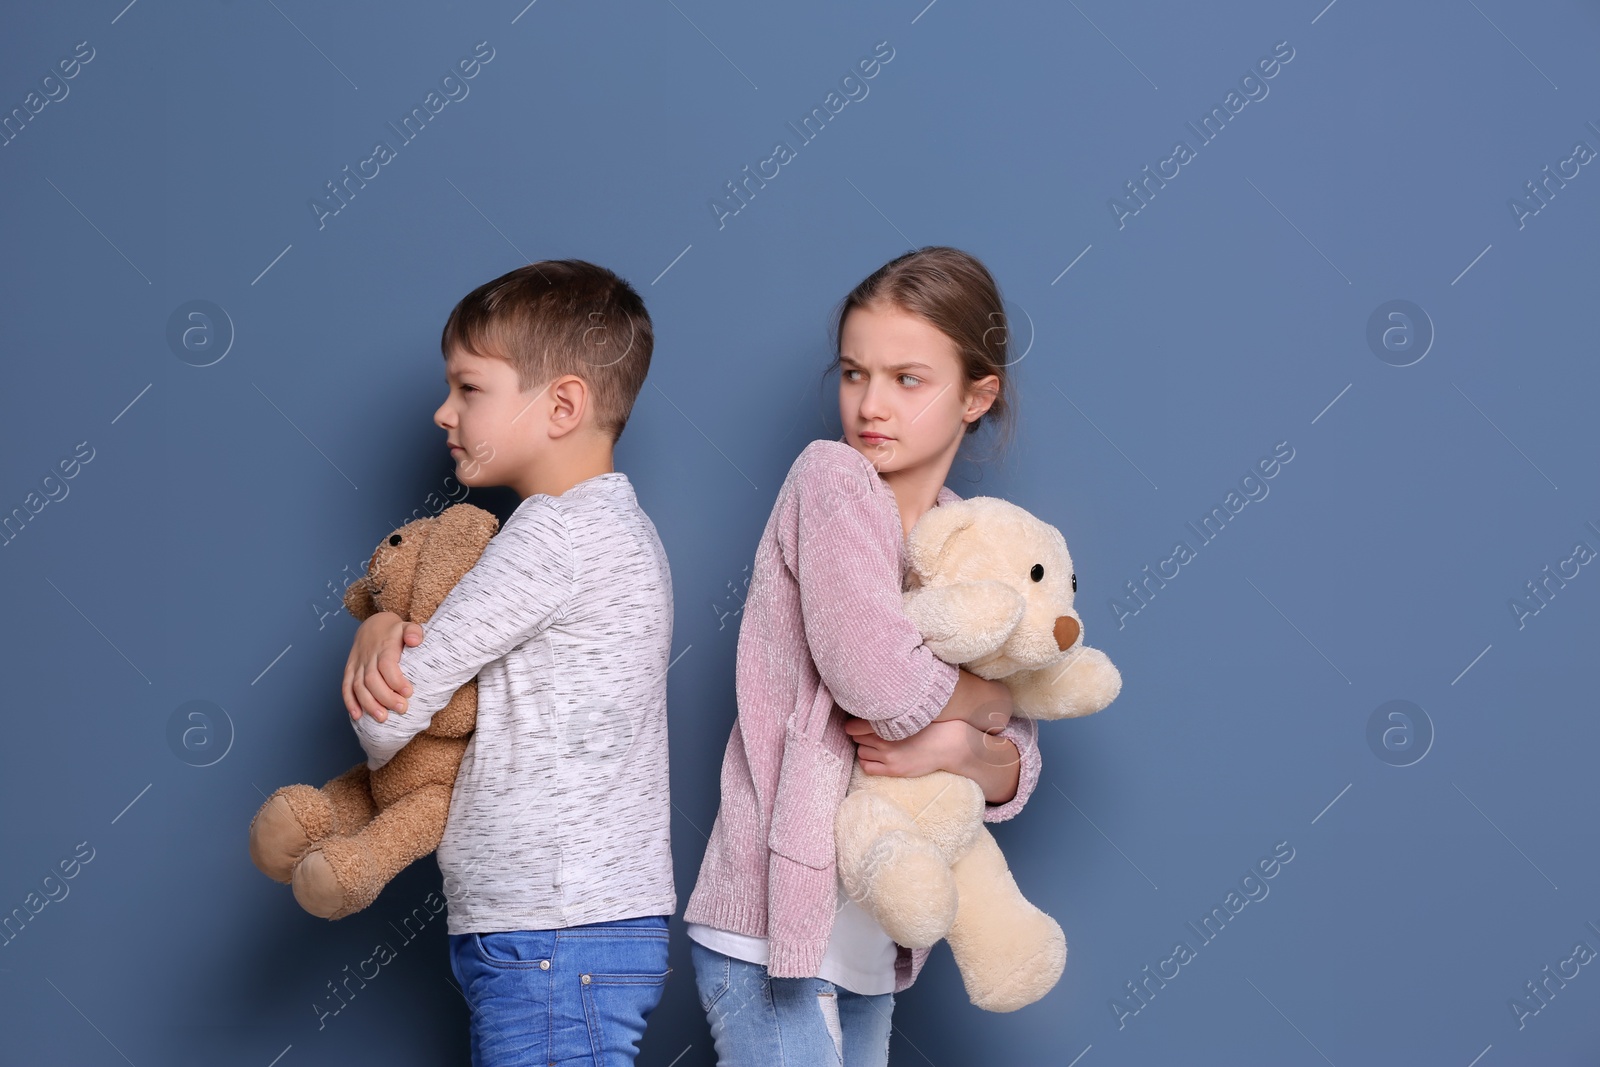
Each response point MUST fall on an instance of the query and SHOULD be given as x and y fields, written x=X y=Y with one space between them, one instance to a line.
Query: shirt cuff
x=1024 y=733
x=373 y=762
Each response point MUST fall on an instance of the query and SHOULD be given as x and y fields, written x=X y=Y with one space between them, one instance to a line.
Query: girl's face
x=903 y=397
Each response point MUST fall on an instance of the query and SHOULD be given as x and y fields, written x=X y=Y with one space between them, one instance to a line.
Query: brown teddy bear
x=990 y=587
x=341 y=844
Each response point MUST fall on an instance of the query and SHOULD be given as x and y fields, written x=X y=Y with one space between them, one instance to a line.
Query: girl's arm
x=1005 y=764
x=843 y=550
x=980 y=703
x=1023 y=734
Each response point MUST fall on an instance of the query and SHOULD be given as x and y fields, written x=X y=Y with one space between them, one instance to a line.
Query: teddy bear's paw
x=1022 y=971
x=316 y=889
x=277 y=840
x=909 y=889
x=1083 y=683
x=1098 y=681
x=336 y=878
x=965 y=621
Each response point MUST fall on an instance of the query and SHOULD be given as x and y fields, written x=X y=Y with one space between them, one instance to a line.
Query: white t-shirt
x=560 y=813
x=860 y=956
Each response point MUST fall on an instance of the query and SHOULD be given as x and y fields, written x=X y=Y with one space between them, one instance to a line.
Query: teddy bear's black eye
x=1037 y=574
x=394 y=539
x=1074 y=583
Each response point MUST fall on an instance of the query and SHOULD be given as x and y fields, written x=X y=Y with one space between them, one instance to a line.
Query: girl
x=788 y=968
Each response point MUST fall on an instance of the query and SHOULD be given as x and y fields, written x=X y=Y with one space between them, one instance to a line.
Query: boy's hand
x=372 y=679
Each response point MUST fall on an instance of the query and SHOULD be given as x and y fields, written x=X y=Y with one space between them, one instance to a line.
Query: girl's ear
x=981 y=395
x=931 y=536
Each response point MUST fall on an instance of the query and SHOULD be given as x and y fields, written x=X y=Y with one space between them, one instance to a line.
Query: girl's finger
x=874 y=756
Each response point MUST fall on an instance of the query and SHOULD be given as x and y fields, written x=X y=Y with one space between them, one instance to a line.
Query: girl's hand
x=942 y=745
x=372 y=679
x=985 y=704
x=952 y=745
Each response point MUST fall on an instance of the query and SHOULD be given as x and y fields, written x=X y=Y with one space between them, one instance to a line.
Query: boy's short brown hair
x=561 y=316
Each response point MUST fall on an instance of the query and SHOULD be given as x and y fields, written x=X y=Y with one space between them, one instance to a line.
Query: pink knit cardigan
x=822 y=622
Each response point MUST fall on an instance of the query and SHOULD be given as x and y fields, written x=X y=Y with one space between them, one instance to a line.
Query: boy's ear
x=456 y=538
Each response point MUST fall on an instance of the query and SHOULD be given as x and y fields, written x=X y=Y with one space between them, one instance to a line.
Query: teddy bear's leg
x=1009 y=952
x=890 y=868
x=296 y=817
x=350 y=797
x=341 y=875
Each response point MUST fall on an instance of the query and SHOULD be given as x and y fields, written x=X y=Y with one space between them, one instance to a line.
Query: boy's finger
x=389 y=666
x=378 y=686
x=368 y=705
x=378 y=702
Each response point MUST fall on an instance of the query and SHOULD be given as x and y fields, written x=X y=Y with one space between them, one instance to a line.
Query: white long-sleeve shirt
x=560 y=813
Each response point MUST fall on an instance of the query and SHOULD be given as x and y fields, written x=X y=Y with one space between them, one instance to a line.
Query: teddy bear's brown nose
x=1067 y=631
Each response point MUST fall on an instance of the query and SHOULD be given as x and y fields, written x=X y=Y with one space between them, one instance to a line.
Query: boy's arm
x=518 y=587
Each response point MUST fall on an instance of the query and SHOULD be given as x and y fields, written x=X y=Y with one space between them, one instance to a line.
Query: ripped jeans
x=757 y=1020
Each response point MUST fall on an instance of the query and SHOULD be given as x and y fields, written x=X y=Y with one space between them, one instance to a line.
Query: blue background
x=198 y=554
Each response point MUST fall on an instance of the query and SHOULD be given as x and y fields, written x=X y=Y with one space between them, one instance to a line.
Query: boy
x=556 y=859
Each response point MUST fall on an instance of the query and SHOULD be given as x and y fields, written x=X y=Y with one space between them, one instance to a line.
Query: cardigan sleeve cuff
x=1024 y=733
x=925 y=710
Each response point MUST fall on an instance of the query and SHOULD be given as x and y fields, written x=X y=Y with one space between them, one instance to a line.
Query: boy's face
x=493 y=427
x=903 y=398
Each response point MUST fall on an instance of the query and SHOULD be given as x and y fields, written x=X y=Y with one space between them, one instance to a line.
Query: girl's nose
x=872 y=402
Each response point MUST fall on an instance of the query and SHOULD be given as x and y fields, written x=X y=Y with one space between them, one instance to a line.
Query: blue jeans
x=574 y=996
x=759 y=1021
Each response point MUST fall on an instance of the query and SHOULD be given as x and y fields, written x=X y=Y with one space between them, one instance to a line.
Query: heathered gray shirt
x=560 y=813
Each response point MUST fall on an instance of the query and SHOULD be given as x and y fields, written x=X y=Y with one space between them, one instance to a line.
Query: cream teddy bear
x=990 y=587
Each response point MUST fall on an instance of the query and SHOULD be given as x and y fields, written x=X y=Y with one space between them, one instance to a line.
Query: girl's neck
x=916 y=489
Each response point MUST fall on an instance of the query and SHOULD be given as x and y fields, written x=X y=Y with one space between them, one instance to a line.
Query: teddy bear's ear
x=456 y=538
x=358 y=596
x=931 y=535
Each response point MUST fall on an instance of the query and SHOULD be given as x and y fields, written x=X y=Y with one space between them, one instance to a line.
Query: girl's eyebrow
x=897 y=366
